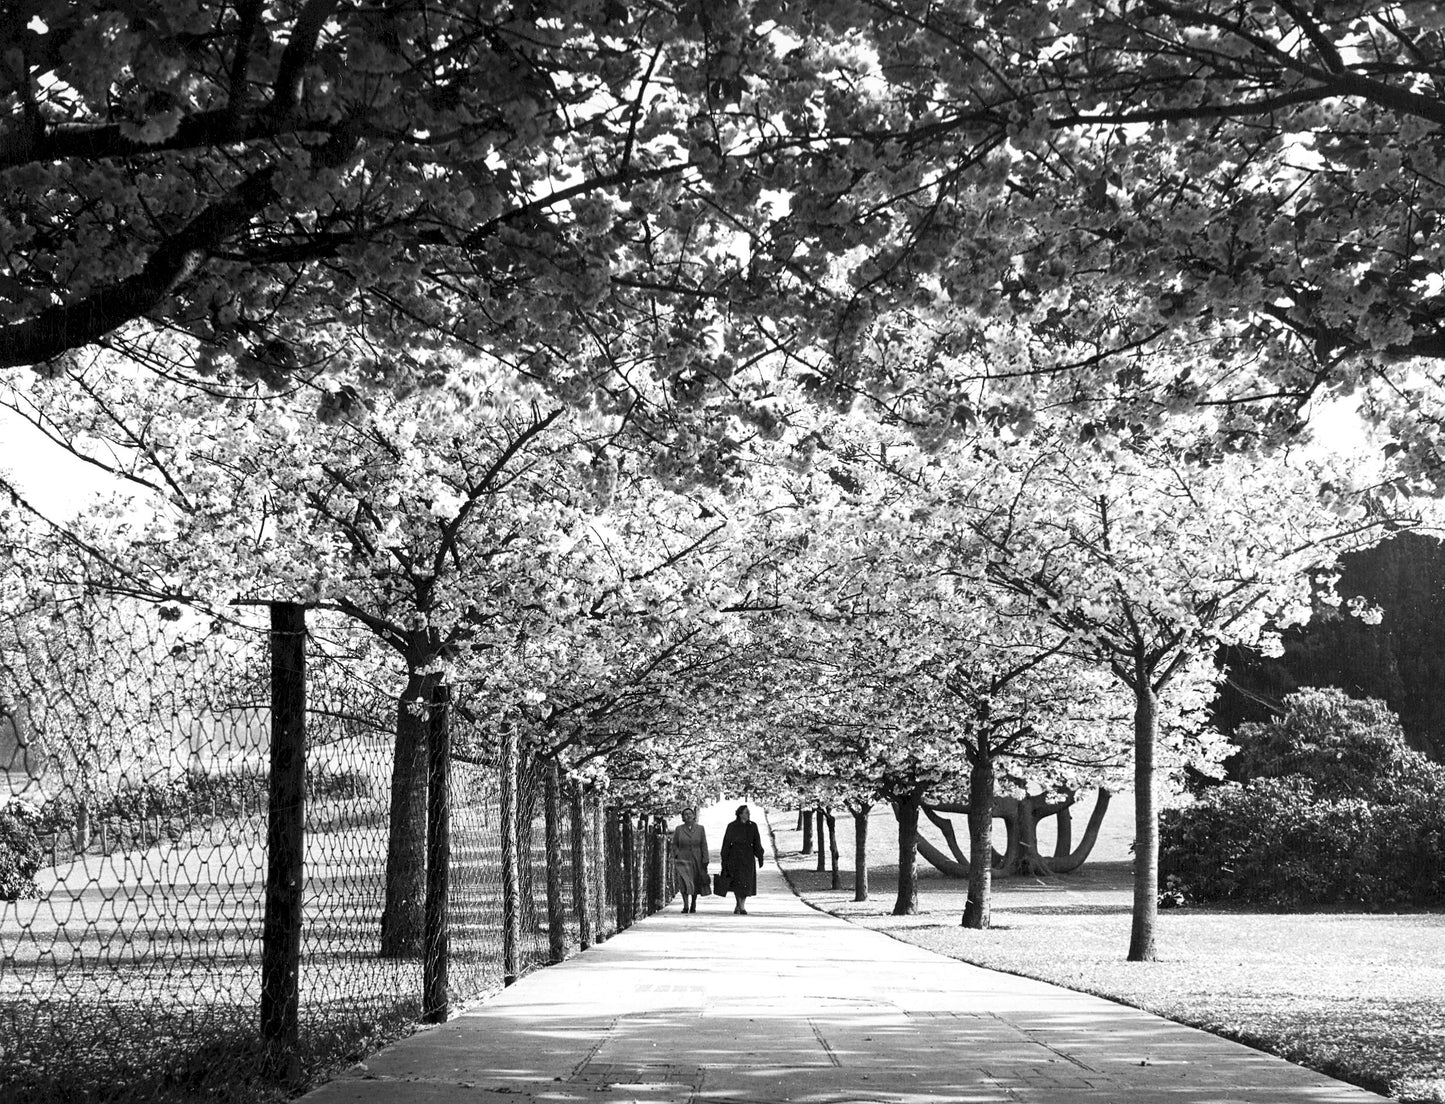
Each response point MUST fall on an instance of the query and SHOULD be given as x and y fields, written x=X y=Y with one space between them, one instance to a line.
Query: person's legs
x=739 y=906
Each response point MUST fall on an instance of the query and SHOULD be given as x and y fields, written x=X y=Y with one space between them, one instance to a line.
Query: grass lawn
x=1359 y=996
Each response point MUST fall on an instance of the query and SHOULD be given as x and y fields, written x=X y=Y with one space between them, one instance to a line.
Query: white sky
x=52 y=479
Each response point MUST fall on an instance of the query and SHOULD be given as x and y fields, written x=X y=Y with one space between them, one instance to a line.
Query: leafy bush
x=338 y=785
x=1346 y=747
x=19 y=852
x=1334 y=809
x=1278 y=842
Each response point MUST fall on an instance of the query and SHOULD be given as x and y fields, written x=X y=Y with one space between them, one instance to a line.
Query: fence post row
x=436 y=942
x=285 y=829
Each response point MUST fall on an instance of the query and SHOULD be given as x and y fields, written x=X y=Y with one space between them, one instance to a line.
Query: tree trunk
x=552 y=827
x=436 y=963
x=627 y=907
x=807 y=818
x=602 y=927
x=1028 y=860
x=511 y=875
x=1063 y=832
x=860 y=853
x=1146 y=824
x=905 y=809
x=1013 y=814
x=657 y=875
x=528 y=792
x=958 y=868
x=404 y=908
x=822 y=858
x=976 y=910
x=833 y=846
x=581 y=869
x=82 y=825
x=1072 y=860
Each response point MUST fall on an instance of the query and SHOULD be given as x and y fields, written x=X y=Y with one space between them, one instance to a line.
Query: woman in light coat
x=689 y=859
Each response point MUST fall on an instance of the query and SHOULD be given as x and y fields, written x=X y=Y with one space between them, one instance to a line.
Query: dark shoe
x=743 y=911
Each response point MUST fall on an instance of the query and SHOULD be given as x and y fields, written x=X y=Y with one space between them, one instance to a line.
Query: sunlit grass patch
x=1355 y=995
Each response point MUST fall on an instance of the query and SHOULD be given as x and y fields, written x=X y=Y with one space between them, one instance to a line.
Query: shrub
x=340 y=785
x=191 y=797
x=19 y=852
x=1277 y=842
x=1344 y=746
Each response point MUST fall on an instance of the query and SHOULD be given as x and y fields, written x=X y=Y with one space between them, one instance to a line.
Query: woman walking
x=741 y=845
x=689 y=859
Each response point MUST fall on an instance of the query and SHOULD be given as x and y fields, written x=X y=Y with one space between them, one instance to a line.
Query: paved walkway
x=788 y=1004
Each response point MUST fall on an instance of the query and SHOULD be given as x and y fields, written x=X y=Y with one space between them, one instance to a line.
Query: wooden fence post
x=436 y=948
x=285 y=828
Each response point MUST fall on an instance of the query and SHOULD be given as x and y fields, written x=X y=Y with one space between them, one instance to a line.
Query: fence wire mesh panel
x=135 y=796
x=475 y=903
x=135 y=744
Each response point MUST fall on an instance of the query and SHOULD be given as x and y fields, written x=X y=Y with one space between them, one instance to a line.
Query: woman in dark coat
x=741 y=845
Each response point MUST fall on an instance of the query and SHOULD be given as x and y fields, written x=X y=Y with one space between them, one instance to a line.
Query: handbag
x=721 y=884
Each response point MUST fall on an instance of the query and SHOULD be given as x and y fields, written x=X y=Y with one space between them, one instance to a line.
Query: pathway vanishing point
x=788 y=1004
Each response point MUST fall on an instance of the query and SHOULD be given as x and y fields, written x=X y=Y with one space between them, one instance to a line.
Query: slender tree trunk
x=806 y=816
x=822 y=858
x=906 y=810
x=528 y=792
x=403 y=913
x=627 y=910
x=1063 y=832
x=976 y=911
x=82 y=825
x=644 y=866
x=1028 y=858
x=1076 y=857
x=833 y=846
x=661 y=863
x=552 y=827
x=1146 y=824
x=511 y=874
x=582 y=875
x=436 y=962
x=600 y=876
x=860 y=853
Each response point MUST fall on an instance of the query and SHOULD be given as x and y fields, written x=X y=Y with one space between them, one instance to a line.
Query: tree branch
x=59 y=329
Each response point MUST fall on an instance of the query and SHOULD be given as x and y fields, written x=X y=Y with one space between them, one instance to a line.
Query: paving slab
x=787 y=1005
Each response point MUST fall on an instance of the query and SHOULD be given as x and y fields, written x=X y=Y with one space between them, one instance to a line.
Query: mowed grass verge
x=1359 y=996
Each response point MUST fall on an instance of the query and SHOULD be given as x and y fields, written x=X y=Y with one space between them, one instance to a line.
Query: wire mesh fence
x=133 y=836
